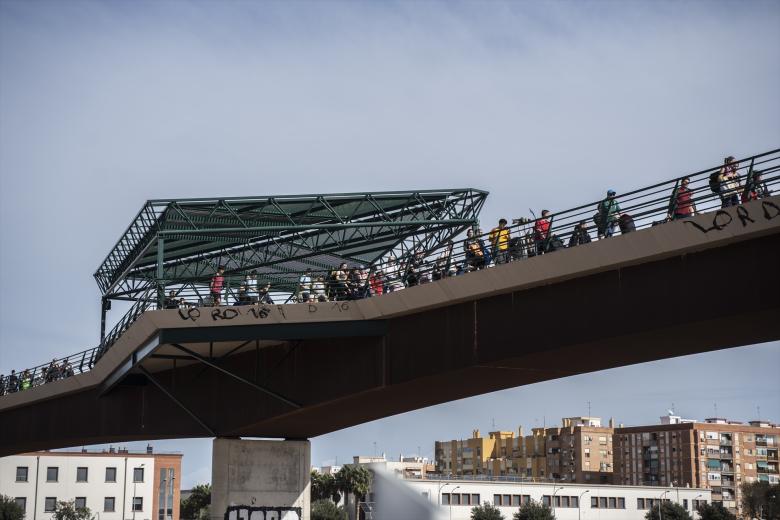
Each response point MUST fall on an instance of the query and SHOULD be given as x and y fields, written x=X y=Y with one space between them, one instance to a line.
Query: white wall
x=66 y=488
x=486 y=490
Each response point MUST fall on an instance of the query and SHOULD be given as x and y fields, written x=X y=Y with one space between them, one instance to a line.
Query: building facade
x=580 y=450
x=114 y=485
x=716 y=454
x=570 y=501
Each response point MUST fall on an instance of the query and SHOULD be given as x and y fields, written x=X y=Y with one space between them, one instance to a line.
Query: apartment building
x=580 y=450
x=716 y=454
x=113 y=484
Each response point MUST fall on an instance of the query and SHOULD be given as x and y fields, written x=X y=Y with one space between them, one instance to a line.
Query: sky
x=104 y=105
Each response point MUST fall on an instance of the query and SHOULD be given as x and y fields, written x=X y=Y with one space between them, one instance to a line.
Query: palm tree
x=355 y=480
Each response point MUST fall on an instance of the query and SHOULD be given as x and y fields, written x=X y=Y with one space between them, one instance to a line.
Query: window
x=612 y=503
x=109 y=503
x=445 y=499
x=22 y=503
x=81 y=474
x=557 y=501
x=594 y=502
x=575 y=502
x=138 y=503
x=49 y=504
x=516 y=500
x=110 y=474
x=602 y=440
x=475 y=499
x=497 y=500
x=138 y=474
x=80 y=503
x=506 y=499
x=565 y=502
x=685 y=503
x=546 y=500
x=456 y=499
x=602 y=502
x=621 y=503
x=52 y=474
x=640 y=503
x=21 y=473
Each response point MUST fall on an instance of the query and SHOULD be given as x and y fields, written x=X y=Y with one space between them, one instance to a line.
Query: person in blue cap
x=608 y=215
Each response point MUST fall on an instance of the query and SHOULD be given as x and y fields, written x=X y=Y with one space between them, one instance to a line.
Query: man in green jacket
x=609 y=214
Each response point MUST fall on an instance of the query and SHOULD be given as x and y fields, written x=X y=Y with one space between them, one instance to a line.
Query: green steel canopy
x=183 y=241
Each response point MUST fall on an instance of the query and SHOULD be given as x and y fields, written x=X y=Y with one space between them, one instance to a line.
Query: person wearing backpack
x=608 y=215
x=729 y=182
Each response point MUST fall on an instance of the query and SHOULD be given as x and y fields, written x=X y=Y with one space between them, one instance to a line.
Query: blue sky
x=106 y=104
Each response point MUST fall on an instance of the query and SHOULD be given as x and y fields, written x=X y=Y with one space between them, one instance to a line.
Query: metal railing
x=750 y=178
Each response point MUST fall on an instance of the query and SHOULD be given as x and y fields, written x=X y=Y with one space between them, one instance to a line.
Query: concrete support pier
x=260 y=480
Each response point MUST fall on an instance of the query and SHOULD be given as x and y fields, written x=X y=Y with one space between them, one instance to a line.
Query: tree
x=9 y=509
x=669 y=511
x=355 y=480
x=486 y=512
x=324 y=509
x=761 y=500
x=715 y=512
x=323 y=487
x=199 y=498
x=534 y=511
x=65 y=510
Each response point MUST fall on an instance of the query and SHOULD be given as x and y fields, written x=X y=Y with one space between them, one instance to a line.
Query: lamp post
x=134 y=491
x=694 y=500
x=552 y=501
x=440 y=488
x=453 y=489
x=579 y=504
x=660 y=504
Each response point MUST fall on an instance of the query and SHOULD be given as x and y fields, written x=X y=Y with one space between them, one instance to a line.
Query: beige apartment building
x=580 y=451
x=717 y=454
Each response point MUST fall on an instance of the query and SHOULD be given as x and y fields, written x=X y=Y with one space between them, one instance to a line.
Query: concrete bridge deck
x=297 y=371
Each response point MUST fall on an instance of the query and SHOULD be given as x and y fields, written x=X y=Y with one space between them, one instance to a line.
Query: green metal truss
x=181 y=242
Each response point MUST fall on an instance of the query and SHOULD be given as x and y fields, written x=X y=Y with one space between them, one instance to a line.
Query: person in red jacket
x=217 y=284
x=541 y=232
x=684 y=206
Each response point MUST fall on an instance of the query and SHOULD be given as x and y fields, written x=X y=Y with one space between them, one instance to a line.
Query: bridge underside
x=263 y=381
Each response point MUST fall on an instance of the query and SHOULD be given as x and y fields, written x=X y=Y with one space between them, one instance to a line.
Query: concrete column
x=260 y=480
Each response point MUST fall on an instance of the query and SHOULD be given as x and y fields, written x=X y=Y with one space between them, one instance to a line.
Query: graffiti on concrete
x=263 y=513
x=723 y=219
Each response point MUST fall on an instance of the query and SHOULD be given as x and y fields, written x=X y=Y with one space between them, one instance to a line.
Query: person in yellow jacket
x=499 y=241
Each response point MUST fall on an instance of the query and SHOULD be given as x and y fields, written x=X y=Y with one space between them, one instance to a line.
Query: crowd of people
x=19 y=382
x=477 y=251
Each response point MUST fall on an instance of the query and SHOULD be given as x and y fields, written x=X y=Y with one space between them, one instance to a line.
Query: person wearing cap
x=608 y=214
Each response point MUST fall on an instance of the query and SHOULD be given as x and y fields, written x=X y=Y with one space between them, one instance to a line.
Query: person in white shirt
x=304 y=286
x=250 y=282
x=318 y=289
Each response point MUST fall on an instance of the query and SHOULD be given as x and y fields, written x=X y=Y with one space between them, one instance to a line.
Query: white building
x=114 y=485
x=572 y=501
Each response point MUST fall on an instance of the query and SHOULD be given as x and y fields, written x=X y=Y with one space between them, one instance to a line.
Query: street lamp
x=552 y=502
x=579 y=504
x=134 y=490
x=660 y=504
x=453 y=489
x=440 y=488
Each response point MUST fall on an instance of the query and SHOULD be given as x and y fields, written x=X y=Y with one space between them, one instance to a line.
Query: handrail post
x=160 y=272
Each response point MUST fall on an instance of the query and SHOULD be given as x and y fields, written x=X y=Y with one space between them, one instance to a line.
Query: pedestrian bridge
x=302 y=370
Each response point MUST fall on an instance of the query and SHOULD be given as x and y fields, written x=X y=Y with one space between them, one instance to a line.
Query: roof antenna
x=588 y=409
x=494 y=423
x=758 y=411
x=716 y=409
